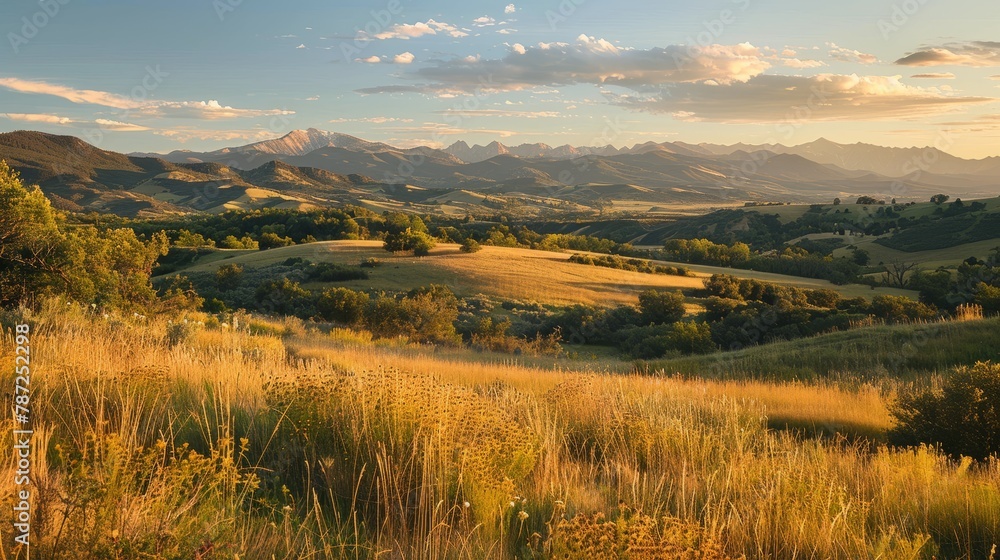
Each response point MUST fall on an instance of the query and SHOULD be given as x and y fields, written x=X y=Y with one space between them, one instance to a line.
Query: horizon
x=210 y=75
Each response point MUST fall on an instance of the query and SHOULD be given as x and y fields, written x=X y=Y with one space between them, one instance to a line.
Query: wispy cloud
x=802 y=64
x=501 y=113
x=371 y=120
x=86 y=96
x=208 y=110
x=408 y=31
x=38 y=118
x=975 y=53
x=510 y=9
x=104 y=124
x=850 y=55
x=588 y=60
x=442 y=129
x=777 y=99
x=187 y=134
x=935 y=76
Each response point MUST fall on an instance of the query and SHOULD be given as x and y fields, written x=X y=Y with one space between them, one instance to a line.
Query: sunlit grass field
x=511 y=273
x=271 y=440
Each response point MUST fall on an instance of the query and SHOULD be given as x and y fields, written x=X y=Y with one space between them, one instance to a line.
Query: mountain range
x=309 y=168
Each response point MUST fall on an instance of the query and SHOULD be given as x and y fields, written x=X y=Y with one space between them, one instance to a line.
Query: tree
x=867 y=200
x=37 y=258
x=896 y=271
x=341 y=305
x=836 y=202
x=33 y=251
x=940 y=199
x=409 y=240
x=860 y=257
x=271 y=240
x=659 y=307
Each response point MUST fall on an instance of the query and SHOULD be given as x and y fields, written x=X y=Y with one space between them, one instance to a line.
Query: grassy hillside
x=269 y=441
x=878 y=351
x=518 y=274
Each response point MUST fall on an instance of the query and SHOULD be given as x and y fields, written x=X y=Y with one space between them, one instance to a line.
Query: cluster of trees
x=976 y=281
x=40 y=255
x=794 y=261
x=632 y=265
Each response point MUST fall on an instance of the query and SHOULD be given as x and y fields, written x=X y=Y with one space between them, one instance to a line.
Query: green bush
x=963 y=416
x=661 y=307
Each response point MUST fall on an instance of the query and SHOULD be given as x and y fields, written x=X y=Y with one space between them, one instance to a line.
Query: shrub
x=470 y=245
x=963 y=416
x=661 y=307
x=272 y=240
x=228 y=277
x=342 y=305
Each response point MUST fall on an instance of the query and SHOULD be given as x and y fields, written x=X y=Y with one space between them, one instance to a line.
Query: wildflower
x=522 y=515
x=466 y=505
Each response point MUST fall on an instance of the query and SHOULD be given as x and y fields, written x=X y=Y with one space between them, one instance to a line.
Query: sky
x=156 y=76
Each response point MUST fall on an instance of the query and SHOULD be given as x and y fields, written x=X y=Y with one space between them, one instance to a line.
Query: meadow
x=269 y=439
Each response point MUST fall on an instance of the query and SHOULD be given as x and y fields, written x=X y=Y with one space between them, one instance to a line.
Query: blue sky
x=149 y=75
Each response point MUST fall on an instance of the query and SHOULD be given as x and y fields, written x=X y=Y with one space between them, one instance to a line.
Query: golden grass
x=510 y=273
x=329 y=446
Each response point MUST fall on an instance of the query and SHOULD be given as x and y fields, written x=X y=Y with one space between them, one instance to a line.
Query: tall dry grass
x=219 y=443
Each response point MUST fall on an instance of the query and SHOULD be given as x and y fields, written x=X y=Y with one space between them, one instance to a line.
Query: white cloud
x=510 y=9
x=506 y=31
x=370 y=60
x=38 y=118
x=105 y=124
x=791 y=99
x=209 y=110
x=484 y=21
x=313 y=98
x=975 y=53
x=408 y=31
x=589 y=60
x=404 y=58
x=801 y=64
x=849 y=55
x=118 y=126
x=85 y=96
x=302 y=46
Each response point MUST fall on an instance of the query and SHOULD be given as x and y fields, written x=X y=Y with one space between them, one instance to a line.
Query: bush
x=271 y=240
x=963 y=416
x=228 y=277
x=342 y=305
x=470 y=245
x=661 y=307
